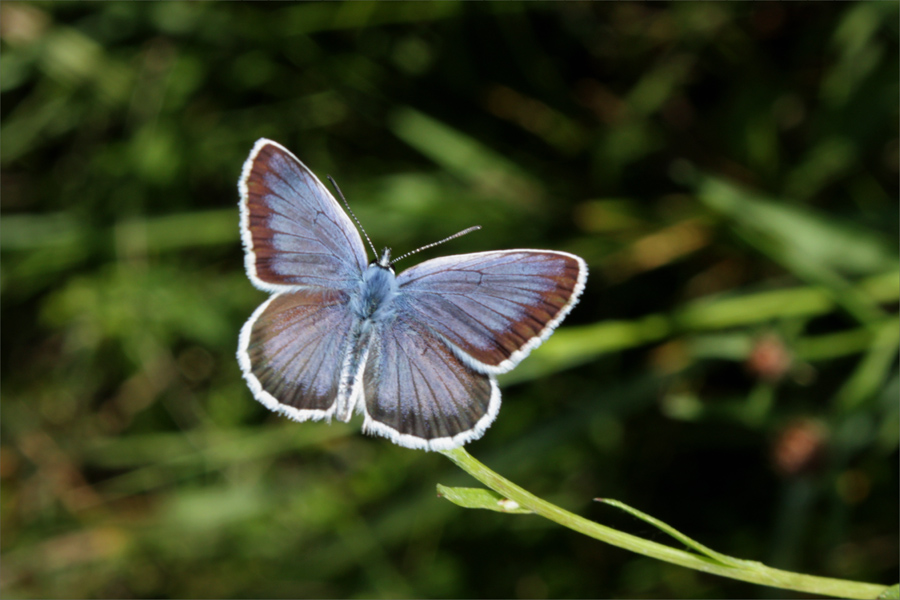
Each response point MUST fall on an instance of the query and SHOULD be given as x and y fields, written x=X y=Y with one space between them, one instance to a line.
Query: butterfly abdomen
x=372 y=305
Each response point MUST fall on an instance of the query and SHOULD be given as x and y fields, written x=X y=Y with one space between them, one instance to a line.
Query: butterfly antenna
x=350 y=210
x=452 y=237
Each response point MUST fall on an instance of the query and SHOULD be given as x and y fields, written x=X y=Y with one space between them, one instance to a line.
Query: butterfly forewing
x=494 y=306
x=294 y=231
x=420 y=394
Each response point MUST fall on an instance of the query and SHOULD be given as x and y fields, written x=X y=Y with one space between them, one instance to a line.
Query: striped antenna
x=432 y=245
x=350 y=210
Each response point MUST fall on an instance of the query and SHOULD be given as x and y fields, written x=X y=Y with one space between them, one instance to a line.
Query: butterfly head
x=385 y=261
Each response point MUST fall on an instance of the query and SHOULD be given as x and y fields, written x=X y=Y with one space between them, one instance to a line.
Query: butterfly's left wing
x=494 y=307
x=292 y=351
x=295 y=233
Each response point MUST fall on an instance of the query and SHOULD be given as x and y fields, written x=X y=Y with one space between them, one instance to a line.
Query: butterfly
x=416 y=353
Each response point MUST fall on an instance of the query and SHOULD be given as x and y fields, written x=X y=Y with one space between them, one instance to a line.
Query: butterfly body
x=416 y=353
x=374 y=300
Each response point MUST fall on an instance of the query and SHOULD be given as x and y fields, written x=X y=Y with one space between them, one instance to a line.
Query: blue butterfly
x=415 y=353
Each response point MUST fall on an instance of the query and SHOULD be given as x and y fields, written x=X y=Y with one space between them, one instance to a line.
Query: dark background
x=729 y=172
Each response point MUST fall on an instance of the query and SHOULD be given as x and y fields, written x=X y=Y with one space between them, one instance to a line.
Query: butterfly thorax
x=374 y=300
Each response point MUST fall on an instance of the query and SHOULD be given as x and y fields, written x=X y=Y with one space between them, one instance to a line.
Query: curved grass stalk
x=708 y=561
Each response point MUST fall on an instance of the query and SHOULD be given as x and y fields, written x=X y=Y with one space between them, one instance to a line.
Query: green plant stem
x=752 y=572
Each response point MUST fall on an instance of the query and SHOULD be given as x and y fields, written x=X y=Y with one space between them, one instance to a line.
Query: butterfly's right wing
x=459 y=320
x=419 y=394
x=294 y=232
x=292 y=352
x=494 y=307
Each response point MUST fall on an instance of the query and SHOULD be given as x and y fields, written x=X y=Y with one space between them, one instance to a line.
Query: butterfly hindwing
x=291 y=352
x=294 y=231
x=495 y=307
x=419 y=393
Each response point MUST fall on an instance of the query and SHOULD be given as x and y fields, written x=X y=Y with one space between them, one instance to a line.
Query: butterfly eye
x=385 y=260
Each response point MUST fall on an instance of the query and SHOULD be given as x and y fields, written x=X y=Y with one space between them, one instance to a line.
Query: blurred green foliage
x=729 y=171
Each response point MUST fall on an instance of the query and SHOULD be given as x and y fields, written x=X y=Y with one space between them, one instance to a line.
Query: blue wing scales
x=291 y=352
x=420 y=394
x=294 y=231
x=495 y=307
